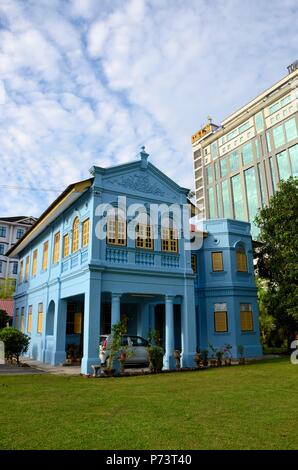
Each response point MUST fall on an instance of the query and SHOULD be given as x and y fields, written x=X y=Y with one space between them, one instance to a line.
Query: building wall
x=238 y=166
x=10 y=233
x=126 y=275
x=228 y=286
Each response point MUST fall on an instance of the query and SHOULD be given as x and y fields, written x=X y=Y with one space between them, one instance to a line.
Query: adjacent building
x=239 y=164
x=88 y=261
x=11 y=231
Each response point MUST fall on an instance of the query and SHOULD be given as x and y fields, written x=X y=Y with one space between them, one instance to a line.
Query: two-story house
x=119 y=244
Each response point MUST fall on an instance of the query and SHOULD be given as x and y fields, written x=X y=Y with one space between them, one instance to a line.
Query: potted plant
x=113 y=364
x=177 y=356
x=198 y=359
x=213 y=355
x=227 y=354
x=219 y=355
x=240 y=350
x=204 y=355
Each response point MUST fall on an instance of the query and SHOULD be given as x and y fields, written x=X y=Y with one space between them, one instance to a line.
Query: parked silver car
x=136 y=344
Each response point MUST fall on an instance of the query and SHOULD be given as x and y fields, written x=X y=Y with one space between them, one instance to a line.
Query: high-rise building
x=11 y=231
x=239 y=164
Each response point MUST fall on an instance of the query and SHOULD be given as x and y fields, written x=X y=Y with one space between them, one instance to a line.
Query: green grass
x=242 y=407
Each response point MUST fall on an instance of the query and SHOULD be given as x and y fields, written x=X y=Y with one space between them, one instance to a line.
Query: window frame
x=214 y=262
x=85 y=232
x=56 y=249
x=116 y=240
x=142 y=242
x=241 y=259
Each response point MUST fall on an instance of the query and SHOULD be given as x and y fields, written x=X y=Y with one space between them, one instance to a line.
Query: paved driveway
x=7 y=369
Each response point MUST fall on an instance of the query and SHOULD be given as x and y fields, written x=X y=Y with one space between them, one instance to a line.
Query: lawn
x=242 y=407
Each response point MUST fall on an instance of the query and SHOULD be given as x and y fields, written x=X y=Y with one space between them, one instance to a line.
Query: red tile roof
x=7 y=305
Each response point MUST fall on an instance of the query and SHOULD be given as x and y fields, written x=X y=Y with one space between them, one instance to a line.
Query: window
x=246 y=317
x=20 y=233
x=251 y=194
x=169 y=240
x=15 y=267
x=218 y=200
x=2 y=249
x=209 y=174
x=257 y=149
x=29 y=320
x=262 y=182
x=22 y=325
x=241 y=259
x=234 y=162
x=268 y=141
x=273 y=177
x=283 y=165
x=1 y=265
x=213 y=148
x=21 y=270
x=279 y=136
x=211 y=203
x=237 y=197
x=220 y=318
x=56 y=248
x=291 y=129
x=116 y=231
x=3 y=232
x=45 y=256
x=27 y=268
x=16 y=320
x=259 y=121
x=86 y=232
x=223 y=167
x=194 y=264
x=75 y=235
x=247 y=153
x=225 y=198
x=217 y=261
x=294 y=159
x=34 y=262
x=65 y=245
x=39 y=318
x=144 y=237
x=243 y=127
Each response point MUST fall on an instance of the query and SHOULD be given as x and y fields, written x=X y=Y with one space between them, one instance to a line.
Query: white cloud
x=87 y=82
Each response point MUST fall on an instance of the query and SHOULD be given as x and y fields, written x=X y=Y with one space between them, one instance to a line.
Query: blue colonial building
x=89 y=260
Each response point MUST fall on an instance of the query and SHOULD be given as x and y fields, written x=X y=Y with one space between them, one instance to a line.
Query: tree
x=15 y=342
x=278 y=255
x=7 y=288
x=4 y=319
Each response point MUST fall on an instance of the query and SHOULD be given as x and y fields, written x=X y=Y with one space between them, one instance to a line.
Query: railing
x=121 y=255
x=169 y=261
x=115 y=255
x=145 y=259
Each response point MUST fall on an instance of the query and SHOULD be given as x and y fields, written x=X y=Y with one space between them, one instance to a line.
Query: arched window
x=241 y=259
x=75 y=235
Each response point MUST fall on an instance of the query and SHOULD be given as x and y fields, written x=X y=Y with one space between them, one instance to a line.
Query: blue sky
x=86 y=82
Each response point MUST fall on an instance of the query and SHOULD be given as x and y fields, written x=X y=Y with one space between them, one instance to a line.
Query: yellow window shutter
x=217 y=261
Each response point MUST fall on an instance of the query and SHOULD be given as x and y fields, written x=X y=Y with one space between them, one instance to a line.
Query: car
x=136 y=344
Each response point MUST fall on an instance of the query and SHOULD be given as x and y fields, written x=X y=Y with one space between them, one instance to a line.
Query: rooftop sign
x=293 y=66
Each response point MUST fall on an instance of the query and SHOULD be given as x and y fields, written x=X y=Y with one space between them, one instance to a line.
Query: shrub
x=4 y=319
x=156 y=354
x=15 y=342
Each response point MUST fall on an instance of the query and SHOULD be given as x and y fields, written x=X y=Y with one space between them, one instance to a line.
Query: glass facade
x=262 y=182
x=213 y=148
x=273 y=177
x=211 y=203
x=209 y=174
x=291 y=129
x=223 y=167
x=218 y=198
x=268 y=141
x=283 y=164
x=259 y=122
x=258 y=153
x=237 y=197
x=252 y=196
x=279 y=136
x=247 y=154
x=225 y=198
x=293 y=152
x=234 y=162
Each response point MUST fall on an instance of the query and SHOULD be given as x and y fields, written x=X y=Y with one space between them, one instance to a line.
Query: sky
x=88 y=82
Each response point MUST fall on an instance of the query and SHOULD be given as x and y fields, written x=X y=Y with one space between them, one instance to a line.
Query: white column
x=169 y=362
x=115 y=314
x=188 y=327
